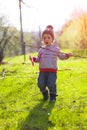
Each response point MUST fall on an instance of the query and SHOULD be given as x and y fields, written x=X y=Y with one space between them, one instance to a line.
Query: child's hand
x=69 y=55
x=32 y=59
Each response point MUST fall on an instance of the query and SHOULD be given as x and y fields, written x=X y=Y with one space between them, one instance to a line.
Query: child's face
x=47 y=39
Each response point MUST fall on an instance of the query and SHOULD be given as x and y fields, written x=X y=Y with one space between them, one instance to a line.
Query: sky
x=40 y=13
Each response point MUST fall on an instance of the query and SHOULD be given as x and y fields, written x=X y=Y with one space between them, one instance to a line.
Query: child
x=47 y=58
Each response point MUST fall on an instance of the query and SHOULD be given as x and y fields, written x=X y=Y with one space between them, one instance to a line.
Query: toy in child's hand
x=32 y=59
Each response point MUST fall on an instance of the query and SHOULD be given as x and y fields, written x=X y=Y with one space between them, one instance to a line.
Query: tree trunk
x=1 y=55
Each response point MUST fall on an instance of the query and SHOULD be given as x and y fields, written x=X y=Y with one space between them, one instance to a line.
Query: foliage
x=10 y=40
x=21 y=103
x=74 y=32
x=4 y=38
x=31 y=39
x=13 y=47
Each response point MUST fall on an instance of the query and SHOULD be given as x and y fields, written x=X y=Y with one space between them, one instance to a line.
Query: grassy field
x=22 y=106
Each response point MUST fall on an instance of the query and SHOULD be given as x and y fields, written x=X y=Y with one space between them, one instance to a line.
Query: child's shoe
x=45 y=95
x=53 y=97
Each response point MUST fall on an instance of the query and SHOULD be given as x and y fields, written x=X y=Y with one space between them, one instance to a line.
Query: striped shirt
x=47 y=58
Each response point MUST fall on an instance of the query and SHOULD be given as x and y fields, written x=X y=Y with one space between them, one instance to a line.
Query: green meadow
x=21 y=103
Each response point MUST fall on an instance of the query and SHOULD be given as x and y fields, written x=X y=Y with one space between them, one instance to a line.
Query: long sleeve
x=63 y=56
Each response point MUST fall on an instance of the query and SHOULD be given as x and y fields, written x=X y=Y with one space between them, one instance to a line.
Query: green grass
x=22 y=106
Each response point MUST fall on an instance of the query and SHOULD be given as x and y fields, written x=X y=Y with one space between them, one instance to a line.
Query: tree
x=13 y=46
x=74 y=32
x=83 y=22
x=4 y=37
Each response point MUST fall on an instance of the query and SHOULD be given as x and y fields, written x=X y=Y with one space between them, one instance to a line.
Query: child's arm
x=33 y=59
x=64 y=56
x=61 y=55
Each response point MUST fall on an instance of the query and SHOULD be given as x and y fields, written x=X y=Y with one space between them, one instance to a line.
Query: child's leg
x=45 y=94
x=52 y=85
x=42 y=83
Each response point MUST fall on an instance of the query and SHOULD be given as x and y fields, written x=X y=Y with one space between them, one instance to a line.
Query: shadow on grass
x=38 y=118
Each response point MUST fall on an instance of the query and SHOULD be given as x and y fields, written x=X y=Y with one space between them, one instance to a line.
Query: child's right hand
x=32 y=59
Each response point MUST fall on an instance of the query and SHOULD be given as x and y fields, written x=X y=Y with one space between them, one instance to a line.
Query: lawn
x=21 y=103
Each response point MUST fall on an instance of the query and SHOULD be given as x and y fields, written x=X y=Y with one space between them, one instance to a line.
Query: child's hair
x=48 y=31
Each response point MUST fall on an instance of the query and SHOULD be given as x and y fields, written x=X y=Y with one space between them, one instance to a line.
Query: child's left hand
x=69 y=55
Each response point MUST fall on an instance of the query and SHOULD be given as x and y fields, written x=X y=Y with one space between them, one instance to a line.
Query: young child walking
x=47 y=59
